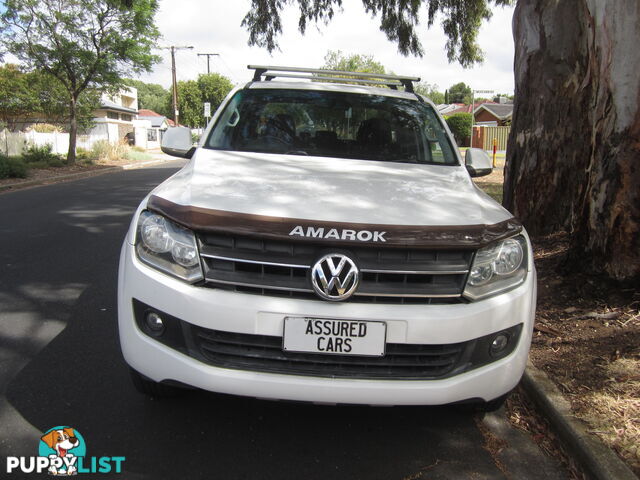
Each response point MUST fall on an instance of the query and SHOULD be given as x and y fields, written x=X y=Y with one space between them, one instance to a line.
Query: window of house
x=125 y=117
x=152 y=135
x=113 y=116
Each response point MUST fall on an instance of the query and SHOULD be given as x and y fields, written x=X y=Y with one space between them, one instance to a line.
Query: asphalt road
x=60 y=364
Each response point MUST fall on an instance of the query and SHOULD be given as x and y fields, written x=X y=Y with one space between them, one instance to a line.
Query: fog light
x=154 y=324
x=499 y=343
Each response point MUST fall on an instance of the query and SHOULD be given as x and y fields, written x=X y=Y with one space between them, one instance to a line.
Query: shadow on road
x=63 y=367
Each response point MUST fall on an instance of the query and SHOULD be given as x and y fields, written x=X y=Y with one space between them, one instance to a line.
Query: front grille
x=264 y=353
x=280 y=268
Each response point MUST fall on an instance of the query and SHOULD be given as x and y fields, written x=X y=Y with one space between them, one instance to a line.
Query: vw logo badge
x=335 y=277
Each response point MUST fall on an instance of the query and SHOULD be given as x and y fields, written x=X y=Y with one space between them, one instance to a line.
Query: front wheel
x=484 y=407
x=148 y=387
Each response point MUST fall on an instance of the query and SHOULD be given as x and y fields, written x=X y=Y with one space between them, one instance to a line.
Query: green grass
x=494 y=190
x=138 y=156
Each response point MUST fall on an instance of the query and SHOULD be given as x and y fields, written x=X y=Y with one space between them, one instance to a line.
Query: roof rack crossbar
x=269 y=76
x=320 y=74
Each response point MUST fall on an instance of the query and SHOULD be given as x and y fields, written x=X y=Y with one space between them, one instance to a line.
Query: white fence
x=14 y=143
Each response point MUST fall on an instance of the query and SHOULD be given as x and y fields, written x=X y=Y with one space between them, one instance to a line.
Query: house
x=116 y=114
x=493 y=114
x=154 y=124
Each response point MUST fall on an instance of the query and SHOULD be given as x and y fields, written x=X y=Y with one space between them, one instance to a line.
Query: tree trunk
x=73 y=130
x=574 y=151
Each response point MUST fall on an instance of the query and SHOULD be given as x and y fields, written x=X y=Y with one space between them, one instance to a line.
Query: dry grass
x=524 y=416
x=105 y=152
x=614 y=411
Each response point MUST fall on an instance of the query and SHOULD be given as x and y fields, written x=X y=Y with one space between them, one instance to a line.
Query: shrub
x=12 y=167
x=41 y=157
x=46 y=128
x=460 y=126
x=84 y=156
x=103 y=150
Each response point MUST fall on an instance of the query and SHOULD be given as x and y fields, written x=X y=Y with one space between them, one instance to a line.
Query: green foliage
x=27 y=96
x=461 y=21
x=430 y=91
x=192 y=94
x=85 y=44
x=214 y=88
x=41 y=157
x=190 y=103
x=84 y=156
x=460 y=93
x=152 y=96
x=11 y=167
x=336 y=60
x=460 y=126
x=16 y=95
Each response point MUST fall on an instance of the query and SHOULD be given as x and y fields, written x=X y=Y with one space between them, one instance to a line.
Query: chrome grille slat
x=388 y=275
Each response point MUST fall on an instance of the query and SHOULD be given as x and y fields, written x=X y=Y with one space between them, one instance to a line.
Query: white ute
x=326 y=243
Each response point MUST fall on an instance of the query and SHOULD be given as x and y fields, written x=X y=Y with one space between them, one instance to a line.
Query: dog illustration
x=61 y=441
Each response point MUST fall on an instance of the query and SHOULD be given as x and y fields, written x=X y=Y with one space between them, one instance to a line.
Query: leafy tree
x=460 y=93
x=497 y=98
x=213 y=88
x=398 y=20
x=83 y=43
x=192 y=94
x=190 y=103
x=336 y=60
x=17 y=98
x=151 y=96
x=33 y=96
x=460 y=126
x=430 y=91
x=446 y=97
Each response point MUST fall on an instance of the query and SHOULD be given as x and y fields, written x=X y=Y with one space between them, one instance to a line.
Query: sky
x=213 y=26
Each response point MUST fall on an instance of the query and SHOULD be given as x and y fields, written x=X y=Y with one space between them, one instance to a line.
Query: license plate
x=334 y=337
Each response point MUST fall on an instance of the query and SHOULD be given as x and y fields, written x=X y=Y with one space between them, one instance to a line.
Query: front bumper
x=264 y=315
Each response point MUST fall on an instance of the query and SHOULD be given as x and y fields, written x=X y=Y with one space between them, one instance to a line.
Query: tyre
x=148 y=387
x=484 y=407
x=492 y=405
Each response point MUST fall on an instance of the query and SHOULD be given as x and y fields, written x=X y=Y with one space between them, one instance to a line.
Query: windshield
x=332 y=124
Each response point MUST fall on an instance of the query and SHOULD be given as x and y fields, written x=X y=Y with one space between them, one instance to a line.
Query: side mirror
x=177 y=142
x=478 y=162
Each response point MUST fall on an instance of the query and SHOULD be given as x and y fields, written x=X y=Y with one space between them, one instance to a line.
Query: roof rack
x=393 y=81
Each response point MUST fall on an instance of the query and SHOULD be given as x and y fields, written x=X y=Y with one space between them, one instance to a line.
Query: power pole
x=173 y=49
x=208 y=55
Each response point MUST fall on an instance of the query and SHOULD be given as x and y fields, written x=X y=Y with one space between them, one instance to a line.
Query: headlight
x=497 y=267
x=168 y=246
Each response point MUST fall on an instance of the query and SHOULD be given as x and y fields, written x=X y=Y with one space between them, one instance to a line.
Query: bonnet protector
x=333 y=233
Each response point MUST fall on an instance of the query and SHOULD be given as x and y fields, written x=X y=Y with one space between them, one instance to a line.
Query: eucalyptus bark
x=573 y=159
